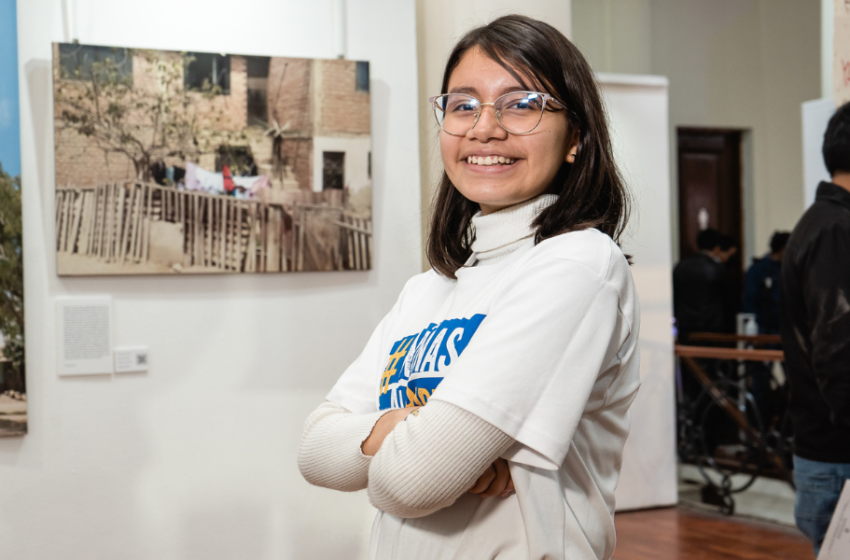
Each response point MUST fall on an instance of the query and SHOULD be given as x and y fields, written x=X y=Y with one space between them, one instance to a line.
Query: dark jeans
x=818 y=488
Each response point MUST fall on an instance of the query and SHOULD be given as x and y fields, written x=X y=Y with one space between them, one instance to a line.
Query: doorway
x=710 y=191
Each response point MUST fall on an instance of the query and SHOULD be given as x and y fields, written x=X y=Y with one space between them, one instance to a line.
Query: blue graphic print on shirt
x=416 y=361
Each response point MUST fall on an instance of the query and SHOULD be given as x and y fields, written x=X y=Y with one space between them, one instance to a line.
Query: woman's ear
x=571 y=153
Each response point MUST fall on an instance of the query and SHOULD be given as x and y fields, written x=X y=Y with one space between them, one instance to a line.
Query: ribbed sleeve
x=329 y=454
x=430 y=460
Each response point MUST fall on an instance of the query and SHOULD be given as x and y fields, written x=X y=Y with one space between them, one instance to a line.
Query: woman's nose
x=488 y=126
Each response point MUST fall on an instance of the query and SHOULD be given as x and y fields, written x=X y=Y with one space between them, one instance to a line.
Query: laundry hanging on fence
x=228 y=179
x=199 y=179
x=252 y=185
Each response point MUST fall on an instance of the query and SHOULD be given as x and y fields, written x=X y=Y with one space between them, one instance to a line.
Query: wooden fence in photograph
x=130 y=223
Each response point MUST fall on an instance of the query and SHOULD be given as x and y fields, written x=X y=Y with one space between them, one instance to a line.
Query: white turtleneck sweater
x=545 y=384
x=499 y=234
x=461 y=445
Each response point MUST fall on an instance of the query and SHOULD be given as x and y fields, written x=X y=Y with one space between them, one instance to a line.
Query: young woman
x=486 y=416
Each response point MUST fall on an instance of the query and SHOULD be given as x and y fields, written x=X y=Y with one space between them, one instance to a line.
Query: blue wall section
x=10 y=137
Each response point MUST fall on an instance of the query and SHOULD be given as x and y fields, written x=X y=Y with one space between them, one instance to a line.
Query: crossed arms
x=410 y=465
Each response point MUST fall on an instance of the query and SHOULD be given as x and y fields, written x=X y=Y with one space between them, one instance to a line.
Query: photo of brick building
x=184 y=162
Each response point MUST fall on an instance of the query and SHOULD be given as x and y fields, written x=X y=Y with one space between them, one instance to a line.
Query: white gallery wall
x=637 y=109
x=196 y=458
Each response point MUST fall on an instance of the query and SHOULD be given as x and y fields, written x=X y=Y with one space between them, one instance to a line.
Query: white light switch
x=131 y=359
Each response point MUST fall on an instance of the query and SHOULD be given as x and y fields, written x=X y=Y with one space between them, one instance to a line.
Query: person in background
x=703 y=294
x=704 y=300
x=728 y=248
x=815 y=328
x=761 y=285
x=761 y=298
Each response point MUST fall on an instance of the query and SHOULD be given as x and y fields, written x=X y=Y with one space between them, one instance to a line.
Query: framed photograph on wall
x=13 y=387
x=190 y=162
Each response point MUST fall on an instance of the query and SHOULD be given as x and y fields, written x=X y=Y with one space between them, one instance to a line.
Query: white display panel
x=637 y=109
x=816 y=115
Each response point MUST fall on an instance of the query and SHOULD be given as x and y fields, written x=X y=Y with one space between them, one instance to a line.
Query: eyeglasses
x=518 y=112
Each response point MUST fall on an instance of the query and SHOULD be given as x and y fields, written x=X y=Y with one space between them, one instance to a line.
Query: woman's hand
x=496 y=481
x=383 y=428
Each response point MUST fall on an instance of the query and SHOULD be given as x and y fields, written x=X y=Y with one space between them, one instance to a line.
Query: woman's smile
x=491 y=164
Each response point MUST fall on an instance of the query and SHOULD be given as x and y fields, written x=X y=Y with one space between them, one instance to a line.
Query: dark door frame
x=724 y=148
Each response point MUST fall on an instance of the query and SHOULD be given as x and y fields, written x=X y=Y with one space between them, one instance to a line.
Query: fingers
x=483 y=482
x=508 y=489
x=495 y=481
x=500 y=482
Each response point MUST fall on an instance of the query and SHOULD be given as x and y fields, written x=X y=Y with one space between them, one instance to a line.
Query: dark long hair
x=591 y=193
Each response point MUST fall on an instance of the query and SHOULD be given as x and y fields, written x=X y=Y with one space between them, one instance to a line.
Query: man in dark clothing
x=761 y=297
x=761 y=285
x=704 y=301
x=703 y=295
x=815 y=324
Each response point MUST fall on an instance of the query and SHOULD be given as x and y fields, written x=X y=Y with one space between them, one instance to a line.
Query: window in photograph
x=76 y=62
x=362 y=76
x=206 y=70
x=258 y=88
x=333 y=170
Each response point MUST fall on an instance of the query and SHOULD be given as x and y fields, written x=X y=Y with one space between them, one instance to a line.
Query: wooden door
x=710 y=189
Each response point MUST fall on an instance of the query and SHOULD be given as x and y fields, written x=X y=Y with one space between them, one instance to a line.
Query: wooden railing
x=730 y=353
x=115 y=222
x=754 y=339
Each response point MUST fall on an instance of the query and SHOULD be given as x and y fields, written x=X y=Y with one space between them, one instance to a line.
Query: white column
x=827 y=33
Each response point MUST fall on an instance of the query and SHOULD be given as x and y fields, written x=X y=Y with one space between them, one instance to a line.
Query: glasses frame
x=546 y=98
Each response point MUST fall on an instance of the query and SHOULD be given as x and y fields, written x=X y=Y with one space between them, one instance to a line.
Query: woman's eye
x=523 y=105
x=463 y=107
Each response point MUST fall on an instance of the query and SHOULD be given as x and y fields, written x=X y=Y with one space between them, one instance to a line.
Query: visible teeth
x=490 y=160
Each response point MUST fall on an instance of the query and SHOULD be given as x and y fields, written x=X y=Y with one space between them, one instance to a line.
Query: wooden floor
x=685 y=534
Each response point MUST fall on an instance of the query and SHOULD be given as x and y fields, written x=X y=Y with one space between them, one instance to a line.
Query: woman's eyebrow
x=474 y=92
x=464 y=89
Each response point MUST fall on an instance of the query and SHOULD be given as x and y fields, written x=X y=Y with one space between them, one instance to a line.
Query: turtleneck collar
x=501 y=233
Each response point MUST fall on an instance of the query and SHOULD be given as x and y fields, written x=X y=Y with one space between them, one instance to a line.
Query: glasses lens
x=456 y=112
x=520 y=112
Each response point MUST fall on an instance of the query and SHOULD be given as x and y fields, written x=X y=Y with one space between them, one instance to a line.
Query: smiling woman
x=536 y=153
x=487 y=415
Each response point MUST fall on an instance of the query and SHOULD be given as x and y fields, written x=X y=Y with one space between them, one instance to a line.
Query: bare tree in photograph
x=146 y=124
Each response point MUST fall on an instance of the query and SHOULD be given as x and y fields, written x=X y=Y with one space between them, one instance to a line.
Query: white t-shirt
x=544 y=346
